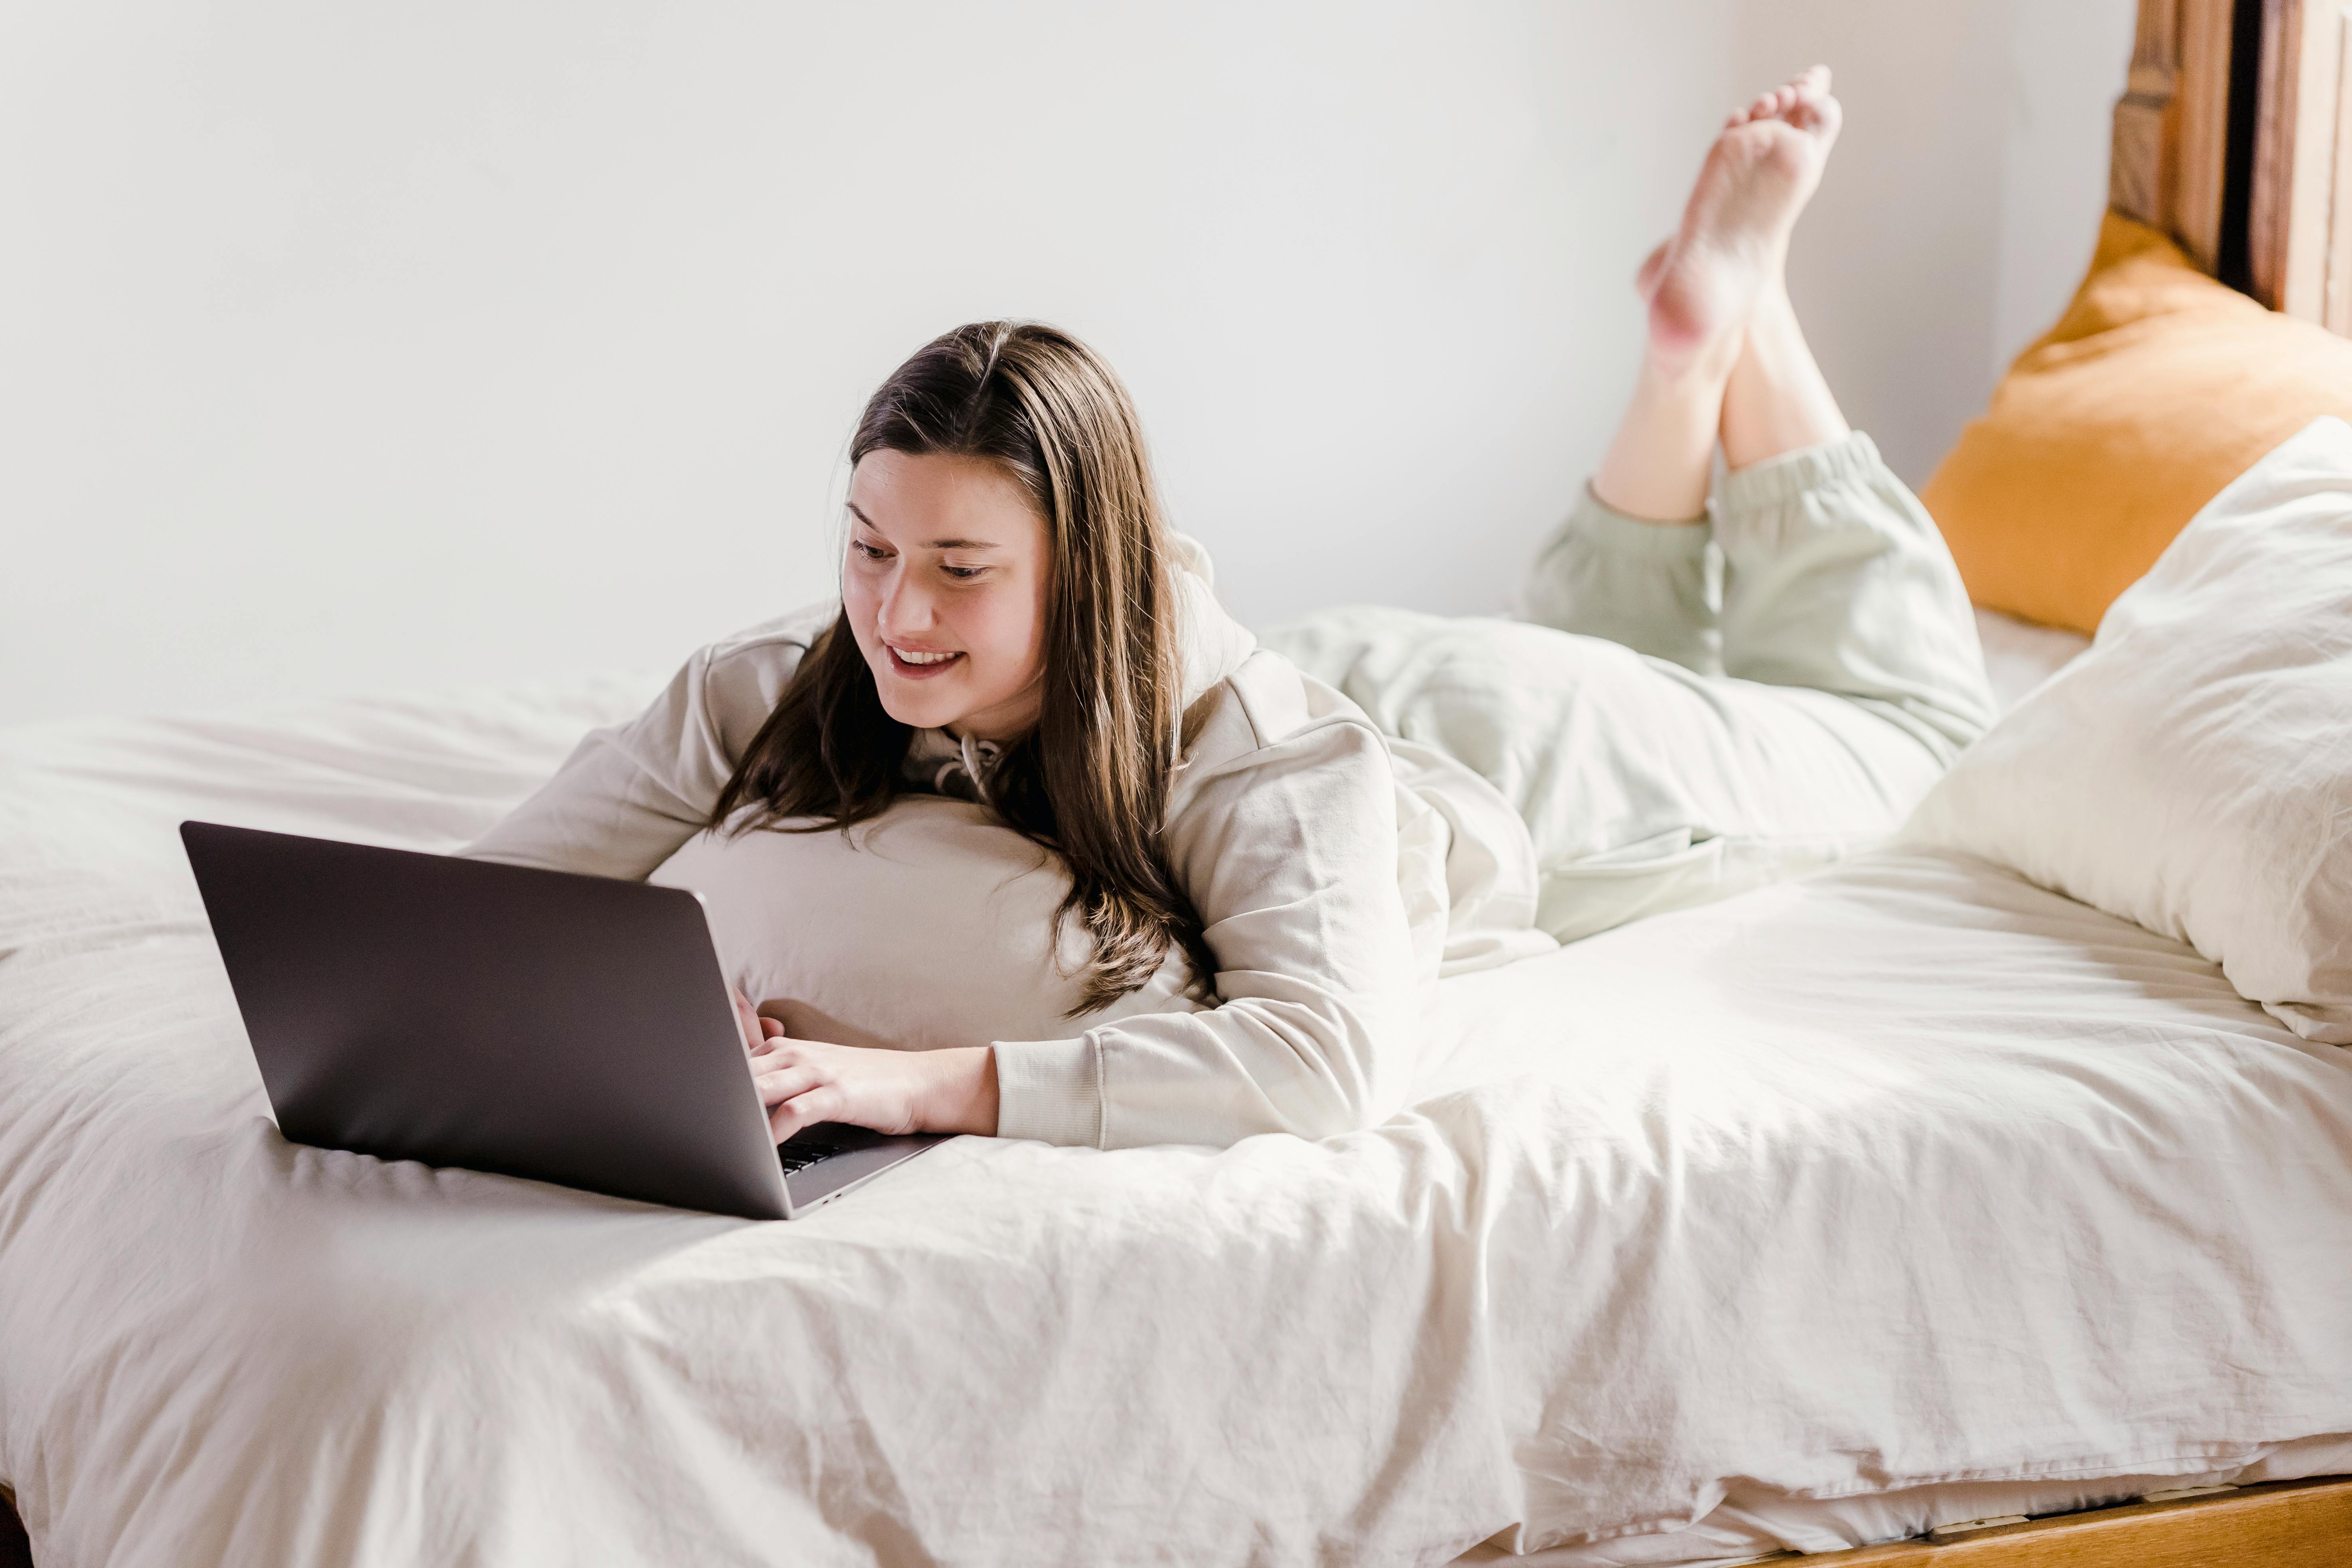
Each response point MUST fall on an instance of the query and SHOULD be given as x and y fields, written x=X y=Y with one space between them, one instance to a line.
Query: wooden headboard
x=2234 y=134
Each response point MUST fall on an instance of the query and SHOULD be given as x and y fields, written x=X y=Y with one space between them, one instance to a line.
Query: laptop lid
x=567 y=1028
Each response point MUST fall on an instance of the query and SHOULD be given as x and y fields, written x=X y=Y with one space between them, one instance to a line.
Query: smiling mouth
x=916 y=665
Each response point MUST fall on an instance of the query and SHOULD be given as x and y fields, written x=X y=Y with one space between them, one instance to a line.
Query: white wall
x=1964 y=198
x=2066 y=70
x=348 y=348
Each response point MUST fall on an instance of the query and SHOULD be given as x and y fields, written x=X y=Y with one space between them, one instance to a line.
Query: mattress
x=1767 y=1223
x=2020 y=655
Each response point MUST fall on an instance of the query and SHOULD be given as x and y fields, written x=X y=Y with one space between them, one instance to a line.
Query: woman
x=1017 y=626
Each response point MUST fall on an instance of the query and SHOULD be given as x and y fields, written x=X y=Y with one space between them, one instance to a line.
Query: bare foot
x=1645 y=281
x=1735 y=232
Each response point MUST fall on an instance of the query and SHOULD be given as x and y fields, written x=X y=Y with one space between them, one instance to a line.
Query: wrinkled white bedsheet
x=1906 y=1173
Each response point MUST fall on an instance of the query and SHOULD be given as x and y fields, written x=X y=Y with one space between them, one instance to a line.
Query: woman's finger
x=772 y=1027
x=781 y=1046
x=820 y=1103
x=747 y=1019
x=778 y=1046
x=779 y=1084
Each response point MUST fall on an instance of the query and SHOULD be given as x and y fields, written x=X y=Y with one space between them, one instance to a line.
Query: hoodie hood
x=1209 y=644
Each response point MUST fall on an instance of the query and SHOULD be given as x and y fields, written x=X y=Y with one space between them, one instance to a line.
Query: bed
x=1698 y=1164
x=1906 y=1210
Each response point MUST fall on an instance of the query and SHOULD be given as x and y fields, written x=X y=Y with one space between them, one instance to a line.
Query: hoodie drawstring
x=973 y=761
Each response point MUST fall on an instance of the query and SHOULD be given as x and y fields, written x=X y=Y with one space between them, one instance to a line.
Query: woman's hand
x=754 y=1028
x=803 y=1082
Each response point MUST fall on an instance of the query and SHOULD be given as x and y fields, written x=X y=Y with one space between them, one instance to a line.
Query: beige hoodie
x=1336 y=872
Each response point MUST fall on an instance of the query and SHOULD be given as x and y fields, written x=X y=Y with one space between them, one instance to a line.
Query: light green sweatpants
x=1688 y=709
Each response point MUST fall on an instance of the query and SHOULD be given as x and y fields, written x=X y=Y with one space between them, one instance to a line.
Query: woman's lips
x=900 y=665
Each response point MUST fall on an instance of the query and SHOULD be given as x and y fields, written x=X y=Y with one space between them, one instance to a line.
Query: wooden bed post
x=2144 y=119
x=2172 y=167
x=2172 y=124
x=2297 y=242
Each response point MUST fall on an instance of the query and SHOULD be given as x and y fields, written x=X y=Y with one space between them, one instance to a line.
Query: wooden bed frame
x=2288 y=1524
x=2234 y=135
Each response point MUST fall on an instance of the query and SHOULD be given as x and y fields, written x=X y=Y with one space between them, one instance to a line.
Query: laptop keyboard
x=806 y=1148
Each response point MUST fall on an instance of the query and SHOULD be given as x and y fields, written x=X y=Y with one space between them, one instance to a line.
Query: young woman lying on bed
x=1018 y=627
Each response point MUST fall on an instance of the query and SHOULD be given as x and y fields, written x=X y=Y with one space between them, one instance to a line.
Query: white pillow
x=2193 y=771
x=932 y=925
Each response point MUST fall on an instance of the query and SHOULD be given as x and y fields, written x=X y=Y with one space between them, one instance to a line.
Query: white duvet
x=1902 y=1173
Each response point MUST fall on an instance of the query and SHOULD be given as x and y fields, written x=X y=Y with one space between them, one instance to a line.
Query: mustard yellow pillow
x=2157 y=388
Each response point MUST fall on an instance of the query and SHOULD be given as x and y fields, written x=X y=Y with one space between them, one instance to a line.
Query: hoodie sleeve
x=630 y=795
x=1325 y=911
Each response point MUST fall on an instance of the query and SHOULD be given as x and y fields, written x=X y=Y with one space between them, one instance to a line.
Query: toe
x=1810 y=106
x=1820 y=116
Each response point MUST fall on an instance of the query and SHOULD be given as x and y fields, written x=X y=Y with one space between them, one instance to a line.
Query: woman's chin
x=948 y=702
x=919 y=710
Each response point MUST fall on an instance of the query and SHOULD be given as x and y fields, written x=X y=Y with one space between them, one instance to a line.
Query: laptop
x=567 y=1028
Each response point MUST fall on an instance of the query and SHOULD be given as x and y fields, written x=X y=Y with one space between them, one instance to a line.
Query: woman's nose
x=905 y=605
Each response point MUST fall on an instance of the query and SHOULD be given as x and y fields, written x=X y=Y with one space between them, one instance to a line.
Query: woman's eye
x=964 y=573
x=867 y=551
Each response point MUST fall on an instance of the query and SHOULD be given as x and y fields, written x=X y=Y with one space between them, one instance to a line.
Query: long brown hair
x=1091 y=781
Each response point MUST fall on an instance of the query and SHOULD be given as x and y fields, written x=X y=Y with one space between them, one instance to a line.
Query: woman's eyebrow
x=929 y=543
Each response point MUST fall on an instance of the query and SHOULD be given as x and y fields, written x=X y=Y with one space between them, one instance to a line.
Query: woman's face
x=945 y=588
